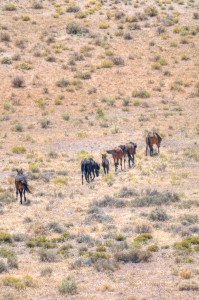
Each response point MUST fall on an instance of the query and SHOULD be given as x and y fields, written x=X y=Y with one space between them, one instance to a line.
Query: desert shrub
x=63 y=83
x=5 y=37
x=6 y=61
x=26 y=18
x=158 y=214
x=104 y=25
x=6 y=198
x=84 y=238
x=47 y=255
x=141 y=93
x=45 y=123
x=107 y=63
x=196 y=15
x=37 y=5
x=73 y=28
x=152 y=198
x=125 y=101
x=188 y=219
x=189 y=286
x=19 y=283
x=5 y=237
x=98 y=215
x=3 y=267
x=6 y=252
x=10 y=7
x=153 y=248
x=142 y=238
x=133 y=255
x=143 y=227
x=18 y=127
x=126 y=192
x=192 y=153
x=83 y=75
x=73 y=9
x=47 y=271
x=12 y=262
x=109 y=201
x=53 y=154
x=65 y=116
x=102 y=265
x=117 y=60
x=151 y=11
x=127 y=36
x=54 y=226
x=119 y=237
x=68 y=286
x=19 y=237
x=18 y=82
x=186 y=274
x=61 y=180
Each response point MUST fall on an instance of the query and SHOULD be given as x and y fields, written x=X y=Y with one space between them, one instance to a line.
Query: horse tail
x=26 y=187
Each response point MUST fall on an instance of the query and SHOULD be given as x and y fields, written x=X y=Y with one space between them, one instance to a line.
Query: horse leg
x=158 y=149
x=17 y=192
x=24 y=194
x=121 y=163
x=82 y=178
x=146 y=149
x=20 y=192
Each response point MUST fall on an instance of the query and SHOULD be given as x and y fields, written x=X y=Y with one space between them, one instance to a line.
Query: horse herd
x=90 y=169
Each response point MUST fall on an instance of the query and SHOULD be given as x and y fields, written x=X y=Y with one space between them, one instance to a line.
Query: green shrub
x=65 y=116
x=140 y=94
x=119 y=237
x=41 y=241
x=68 y=286
x=5 y=237
x=189 y=286
x=153 y=248
x=47 y=271
x=61 y=180
x=107 y=63
x=142 y=238
x=18 y=149
x=47 y=255
x=6 y=61
x=188 y=244
x=45 y=123
x=10 y=7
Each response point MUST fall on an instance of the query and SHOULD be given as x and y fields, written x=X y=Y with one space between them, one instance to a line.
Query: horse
x=129 y=150
x=105 y=164
x=117 y=154
x=88 y=168
x=153 y=139
x=21 y=185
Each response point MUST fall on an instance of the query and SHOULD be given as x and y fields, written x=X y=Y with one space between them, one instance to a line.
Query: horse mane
x=158 y=136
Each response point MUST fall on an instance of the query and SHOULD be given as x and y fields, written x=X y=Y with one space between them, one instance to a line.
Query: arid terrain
x=78 y=78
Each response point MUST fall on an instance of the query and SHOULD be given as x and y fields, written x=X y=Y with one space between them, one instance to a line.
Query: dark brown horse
x=105 y=164
x=21 y=185
x=153 y=139
x=117 y=154
x=129 y=150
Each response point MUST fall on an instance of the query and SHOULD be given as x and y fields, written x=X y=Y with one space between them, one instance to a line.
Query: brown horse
x=117 y=154
x=153 y=139
x=129 y=150
x=21 y=185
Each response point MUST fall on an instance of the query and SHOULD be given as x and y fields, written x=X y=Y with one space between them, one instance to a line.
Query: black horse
x=89 y=169
x=105 y=164
x=21 y=185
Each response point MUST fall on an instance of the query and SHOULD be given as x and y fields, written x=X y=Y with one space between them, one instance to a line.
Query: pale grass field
x=99 y=121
